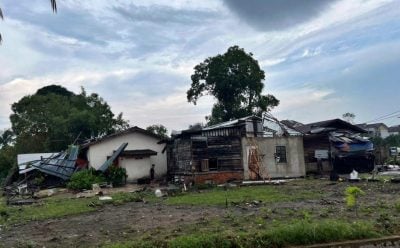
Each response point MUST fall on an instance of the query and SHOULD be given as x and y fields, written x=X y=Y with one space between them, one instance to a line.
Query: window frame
x=279 y=151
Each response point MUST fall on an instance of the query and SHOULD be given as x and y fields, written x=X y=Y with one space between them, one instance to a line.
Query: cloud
x=277 y=14
x=139 y=55
x=164 y=15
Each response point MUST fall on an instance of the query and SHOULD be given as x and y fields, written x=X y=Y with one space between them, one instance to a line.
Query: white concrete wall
x=136 y=168
x=294 y=167
x=384 y=132
x=97 y=154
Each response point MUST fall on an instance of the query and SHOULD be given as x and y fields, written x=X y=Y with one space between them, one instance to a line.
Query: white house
x=376 y=129
x=141 y=153
x=394 y=130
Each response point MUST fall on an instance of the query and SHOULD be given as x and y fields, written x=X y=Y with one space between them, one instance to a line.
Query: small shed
x=143 y=150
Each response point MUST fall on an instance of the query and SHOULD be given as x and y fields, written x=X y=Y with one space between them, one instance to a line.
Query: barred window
x=280 y=154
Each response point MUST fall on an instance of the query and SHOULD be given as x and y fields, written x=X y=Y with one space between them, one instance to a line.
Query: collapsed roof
x=328 y=126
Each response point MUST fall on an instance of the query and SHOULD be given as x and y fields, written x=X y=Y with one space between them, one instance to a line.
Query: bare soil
x=125 y=222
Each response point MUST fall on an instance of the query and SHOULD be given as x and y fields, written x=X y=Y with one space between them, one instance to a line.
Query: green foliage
x=158 y=129
x=307 y=233
x=52 y=118
x=349 y=117
x=240 y=195
x=352 y=194
x=84 y=179
x=392 y=140
x=397 y=206
x=235 y=79
x=116 y=175
x=392 y=161
x=59 y=206
x=298 y=232
x=6 y=138
x=8 y=159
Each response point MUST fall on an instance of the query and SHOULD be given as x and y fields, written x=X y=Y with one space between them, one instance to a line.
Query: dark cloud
x=277 y=14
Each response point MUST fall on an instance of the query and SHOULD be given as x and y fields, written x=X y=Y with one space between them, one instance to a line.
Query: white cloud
x=143 y=68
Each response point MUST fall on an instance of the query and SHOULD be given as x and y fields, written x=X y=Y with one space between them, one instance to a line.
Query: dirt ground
x=125 y=222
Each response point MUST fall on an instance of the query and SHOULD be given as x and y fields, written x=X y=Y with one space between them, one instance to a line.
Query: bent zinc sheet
x=62 y=165
x=109 y=162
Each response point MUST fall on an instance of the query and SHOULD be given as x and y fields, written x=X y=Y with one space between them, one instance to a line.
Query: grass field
x=220 y=196
x=300 y=212
x=56 y=207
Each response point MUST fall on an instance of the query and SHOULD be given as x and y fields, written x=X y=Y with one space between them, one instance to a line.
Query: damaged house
x=134 y=149
x=249 y=148
x=336 y=145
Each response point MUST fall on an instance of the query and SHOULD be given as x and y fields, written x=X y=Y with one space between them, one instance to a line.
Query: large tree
x=53 y=118
x=6 y=138
x=235 y=79
x=53 y=6
x=159 y=130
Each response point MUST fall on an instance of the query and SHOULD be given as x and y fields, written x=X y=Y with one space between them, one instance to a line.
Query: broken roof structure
x=247 y=148
x=344 y=148
x=329 y=125
x=61 y=165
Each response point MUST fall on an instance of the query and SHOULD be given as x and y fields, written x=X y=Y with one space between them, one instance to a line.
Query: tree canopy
x=159 y=130
x=349 y=117
x=235 y=79
x=53 y=118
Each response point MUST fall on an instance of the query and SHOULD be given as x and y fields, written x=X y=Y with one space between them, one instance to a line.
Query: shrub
x=116 y=175
x=84 y=179
x=352 y=193
x=397 y=206
x=392 y=161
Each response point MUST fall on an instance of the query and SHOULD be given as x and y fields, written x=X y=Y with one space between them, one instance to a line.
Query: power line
x=388 y=117
x=384 y=117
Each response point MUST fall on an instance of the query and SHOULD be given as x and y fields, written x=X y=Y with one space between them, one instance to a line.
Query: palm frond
x=1 y=17
x=54 y=5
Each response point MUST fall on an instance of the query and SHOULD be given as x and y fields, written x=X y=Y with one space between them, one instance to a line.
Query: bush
x=392 y=161
x=352 y=194
x=116 y=175
x=84 y=179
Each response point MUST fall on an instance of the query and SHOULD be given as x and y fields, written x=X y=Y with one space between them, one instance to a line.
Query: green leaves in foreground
x=297 y=233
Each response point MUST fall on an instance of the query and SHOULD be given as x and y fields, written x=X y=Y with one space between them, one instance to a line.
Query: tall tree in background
x=349 y=117
x=53 y=118
x=6 y=138
x=53 y=6
x=235 y=79
x=159 y=130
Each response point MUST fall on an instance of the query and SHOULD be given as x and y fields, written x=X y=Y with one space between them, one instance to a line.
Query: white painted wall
x=136 y=168
x=294 y=167
x=384 y=132
x=97 y=154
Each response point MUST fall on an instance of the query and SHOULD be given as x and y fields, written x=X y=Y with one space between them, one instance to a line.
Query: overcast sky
x=321 y=58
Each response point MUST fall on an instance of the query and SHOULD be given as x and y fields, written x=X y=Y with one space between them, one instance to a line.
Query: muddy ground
x=125 y=222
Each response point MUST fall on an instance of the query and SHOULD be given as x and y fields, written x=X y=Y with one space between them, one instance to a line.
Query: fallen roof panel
x=62 y=165
x=109 y=162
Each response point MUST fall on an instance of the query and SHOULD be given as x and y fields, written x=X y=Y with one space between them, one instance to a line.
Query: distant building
x=394 y=130
x=376 y=129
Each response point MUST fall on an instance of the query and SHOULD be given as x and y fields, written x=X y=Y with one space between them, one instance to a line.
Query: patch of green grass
x=397 y=206
x=55 y=207
x=299 y=232
x=219 y=196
